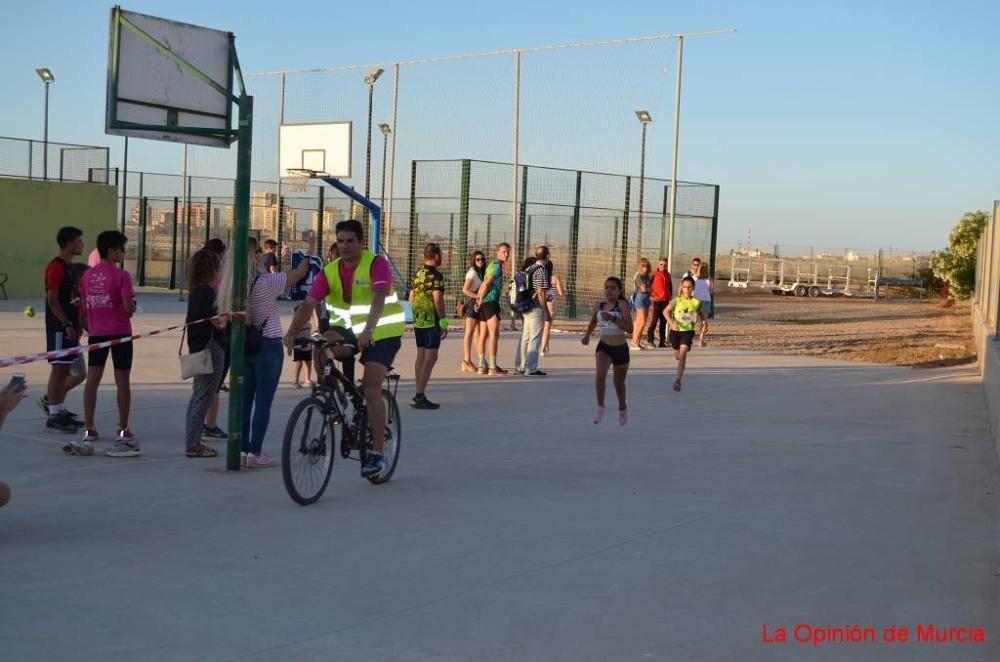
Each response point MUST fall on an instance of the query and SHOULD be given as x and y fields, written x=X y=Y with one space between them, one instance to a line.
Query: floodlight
x=384 y=128
x=45 y=75
x=643 y=116
x=372 y=76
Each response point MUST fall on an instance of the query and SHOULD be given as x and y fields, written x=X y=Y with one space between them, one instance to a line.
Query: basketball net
x=298 y=182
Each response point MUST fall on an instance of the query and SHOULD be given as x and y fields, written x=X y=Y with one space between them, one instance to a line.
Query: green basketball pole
x=239 y=256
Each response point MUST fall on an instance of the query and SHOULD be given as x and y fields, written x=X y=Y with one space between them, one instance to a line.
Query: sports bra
x=608 y=327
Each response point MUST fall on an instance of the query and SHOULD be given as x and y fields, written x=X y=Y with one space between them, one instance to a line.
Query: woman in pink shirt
x=109 y=302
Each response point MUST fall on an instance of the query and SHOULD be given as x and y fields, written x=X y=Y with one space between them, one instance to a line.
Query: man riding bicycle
x=356 y=288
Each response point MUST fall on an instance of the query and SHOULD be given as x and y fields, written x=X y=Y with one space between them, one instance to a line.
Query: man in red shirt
x=663 y=290
x=62 y=327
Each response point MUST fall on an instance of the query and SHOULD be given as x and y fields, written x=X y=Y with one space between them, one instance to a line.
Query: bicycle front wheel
x=307 y=451
x=393 y=438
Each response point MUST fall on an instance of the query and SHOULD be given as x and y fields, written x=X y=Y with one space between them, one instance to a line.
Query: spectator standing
x=269 y=258
x=108 y=305
x=302 y=355
x=62 y=329
x=555 y=290
x=211 y=430
x=488 y=306
x=695 y=269
x=663 y=291
x=470 y=288
x=263 y=367
x=613 y=317
x=203 y=271
x=704 y=291
x=526 y=358
x=430 y=325
x=642 y=285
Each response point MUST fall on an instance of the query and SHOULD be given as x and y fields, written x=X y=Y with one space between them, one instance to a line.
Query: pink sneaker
x=598 y=414
x=622 y=416
x=261 y=461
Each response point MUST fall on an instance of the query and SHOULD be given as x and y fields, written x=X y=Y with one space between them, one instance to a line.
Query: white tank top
x=608 y=327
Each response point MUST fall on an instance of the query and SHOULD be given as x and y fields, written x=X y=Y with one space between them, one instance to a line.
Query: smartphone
x=17 y=381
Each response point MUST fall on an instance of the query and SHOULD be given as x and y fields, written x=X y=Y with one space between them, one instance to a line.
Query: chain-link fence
x=62 y=162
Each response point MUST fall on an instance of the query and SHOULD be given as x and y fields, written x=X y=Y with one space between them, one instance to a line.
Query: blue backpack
x=522 y=295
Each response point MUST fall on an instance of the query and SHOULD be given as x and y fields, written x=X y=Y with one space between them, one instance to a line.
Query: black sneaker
x=373 y=465
x=61 y=422
x=421 y=402
x=537 y=373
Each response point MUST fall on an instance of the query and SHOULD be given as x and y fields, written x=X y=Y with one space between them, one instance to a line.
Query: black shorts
x=121 y=355
x=429 y=338
x=302 y=354
x=488 y=309
x=380 y=351
x=678 y=338
x=619 y=353
x=55 y=341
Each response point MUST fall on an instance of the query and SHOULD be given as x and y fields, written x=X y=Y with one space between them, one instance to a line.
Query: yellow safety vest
x=392 y=323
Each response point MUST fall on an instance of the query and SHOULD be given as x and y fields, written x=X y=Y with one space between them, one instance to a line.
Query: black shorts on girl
x=619 y=353
x=678 y=338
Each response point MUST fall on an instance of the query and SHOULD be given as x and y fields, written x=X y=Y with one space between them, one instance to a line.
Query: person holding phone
x=10 y=397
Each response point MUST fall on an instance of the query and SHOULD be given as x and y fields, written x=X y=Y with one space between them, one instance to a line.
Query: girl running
x=615 y=321
x=681 y=315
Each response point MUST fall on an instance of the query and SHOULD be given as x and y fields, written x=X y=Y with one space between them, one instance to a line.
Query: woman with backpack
x=614 y=318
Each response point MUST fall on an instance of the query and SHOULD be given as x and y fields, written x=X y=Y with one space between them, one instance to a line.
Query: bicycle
x=336 y=405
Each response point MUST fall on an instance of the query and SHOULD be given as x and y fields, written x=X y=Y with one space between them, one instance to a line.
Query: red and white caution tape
x=73 y=351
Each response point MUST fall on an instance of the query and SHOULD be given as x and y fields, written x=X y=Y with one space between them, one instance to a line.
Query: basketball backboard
x=169 y=80
x=324 y=147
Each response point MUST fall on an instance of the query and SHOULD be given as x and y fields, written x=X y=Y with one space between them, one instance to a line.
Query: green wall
x=31 y=213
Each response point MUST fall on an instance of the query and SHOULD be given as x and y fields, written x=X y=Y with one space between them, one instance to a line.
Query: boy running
x=109 y=303
x=681 y=314
x=614 y=317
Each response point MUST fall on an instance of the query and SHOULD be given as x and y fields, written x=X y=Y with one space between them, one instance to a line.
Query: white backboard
x=152 y=96
x=324 y=147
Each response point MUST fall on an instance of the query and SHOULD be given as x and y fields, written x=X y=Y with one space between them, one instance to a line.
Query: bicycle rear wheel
x=393 y=438
x=307 y=451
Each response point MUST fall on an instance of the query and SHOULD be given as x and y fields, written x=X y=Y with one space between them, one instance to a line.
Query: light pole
x=48 y=79
x=370 y=79
x=384 y=128
x=644 y=119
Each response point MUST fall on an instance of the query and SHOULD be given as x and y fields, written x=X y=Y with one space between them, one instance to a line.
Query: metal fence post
x=463 y=212
x=663 y=222
x=173 y=249
x=624 y=250
x=522 y=239
x=208 y=218
x=319 y=224
x=31 y=158
x=714 y=245
x=143 y=202
x=414 y=230
x=574 y=249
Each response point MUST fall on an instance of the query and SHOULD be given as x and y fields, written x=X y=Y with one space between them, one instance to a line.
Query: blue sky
x=860 y=124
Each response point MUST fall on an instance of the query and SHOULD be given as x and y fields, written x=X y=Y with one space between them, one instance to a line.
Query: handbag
x=195 y=363
x=460 y=309
x=254 y=336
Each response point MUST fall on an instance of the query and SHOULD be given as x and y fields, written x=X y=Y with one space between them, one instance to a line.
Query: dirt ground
x=900 y=332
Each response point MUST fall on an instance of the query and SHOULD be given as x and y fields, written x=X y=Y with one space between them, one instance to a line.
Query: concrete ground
x=773 y=491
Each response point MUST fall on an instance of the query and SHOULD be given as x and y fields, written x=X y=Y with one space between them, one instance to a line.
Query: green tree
x=957 y=263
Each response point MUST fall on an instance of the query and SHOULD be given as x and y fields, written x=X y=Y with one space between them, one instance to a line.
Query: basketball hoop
x=298 y=181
